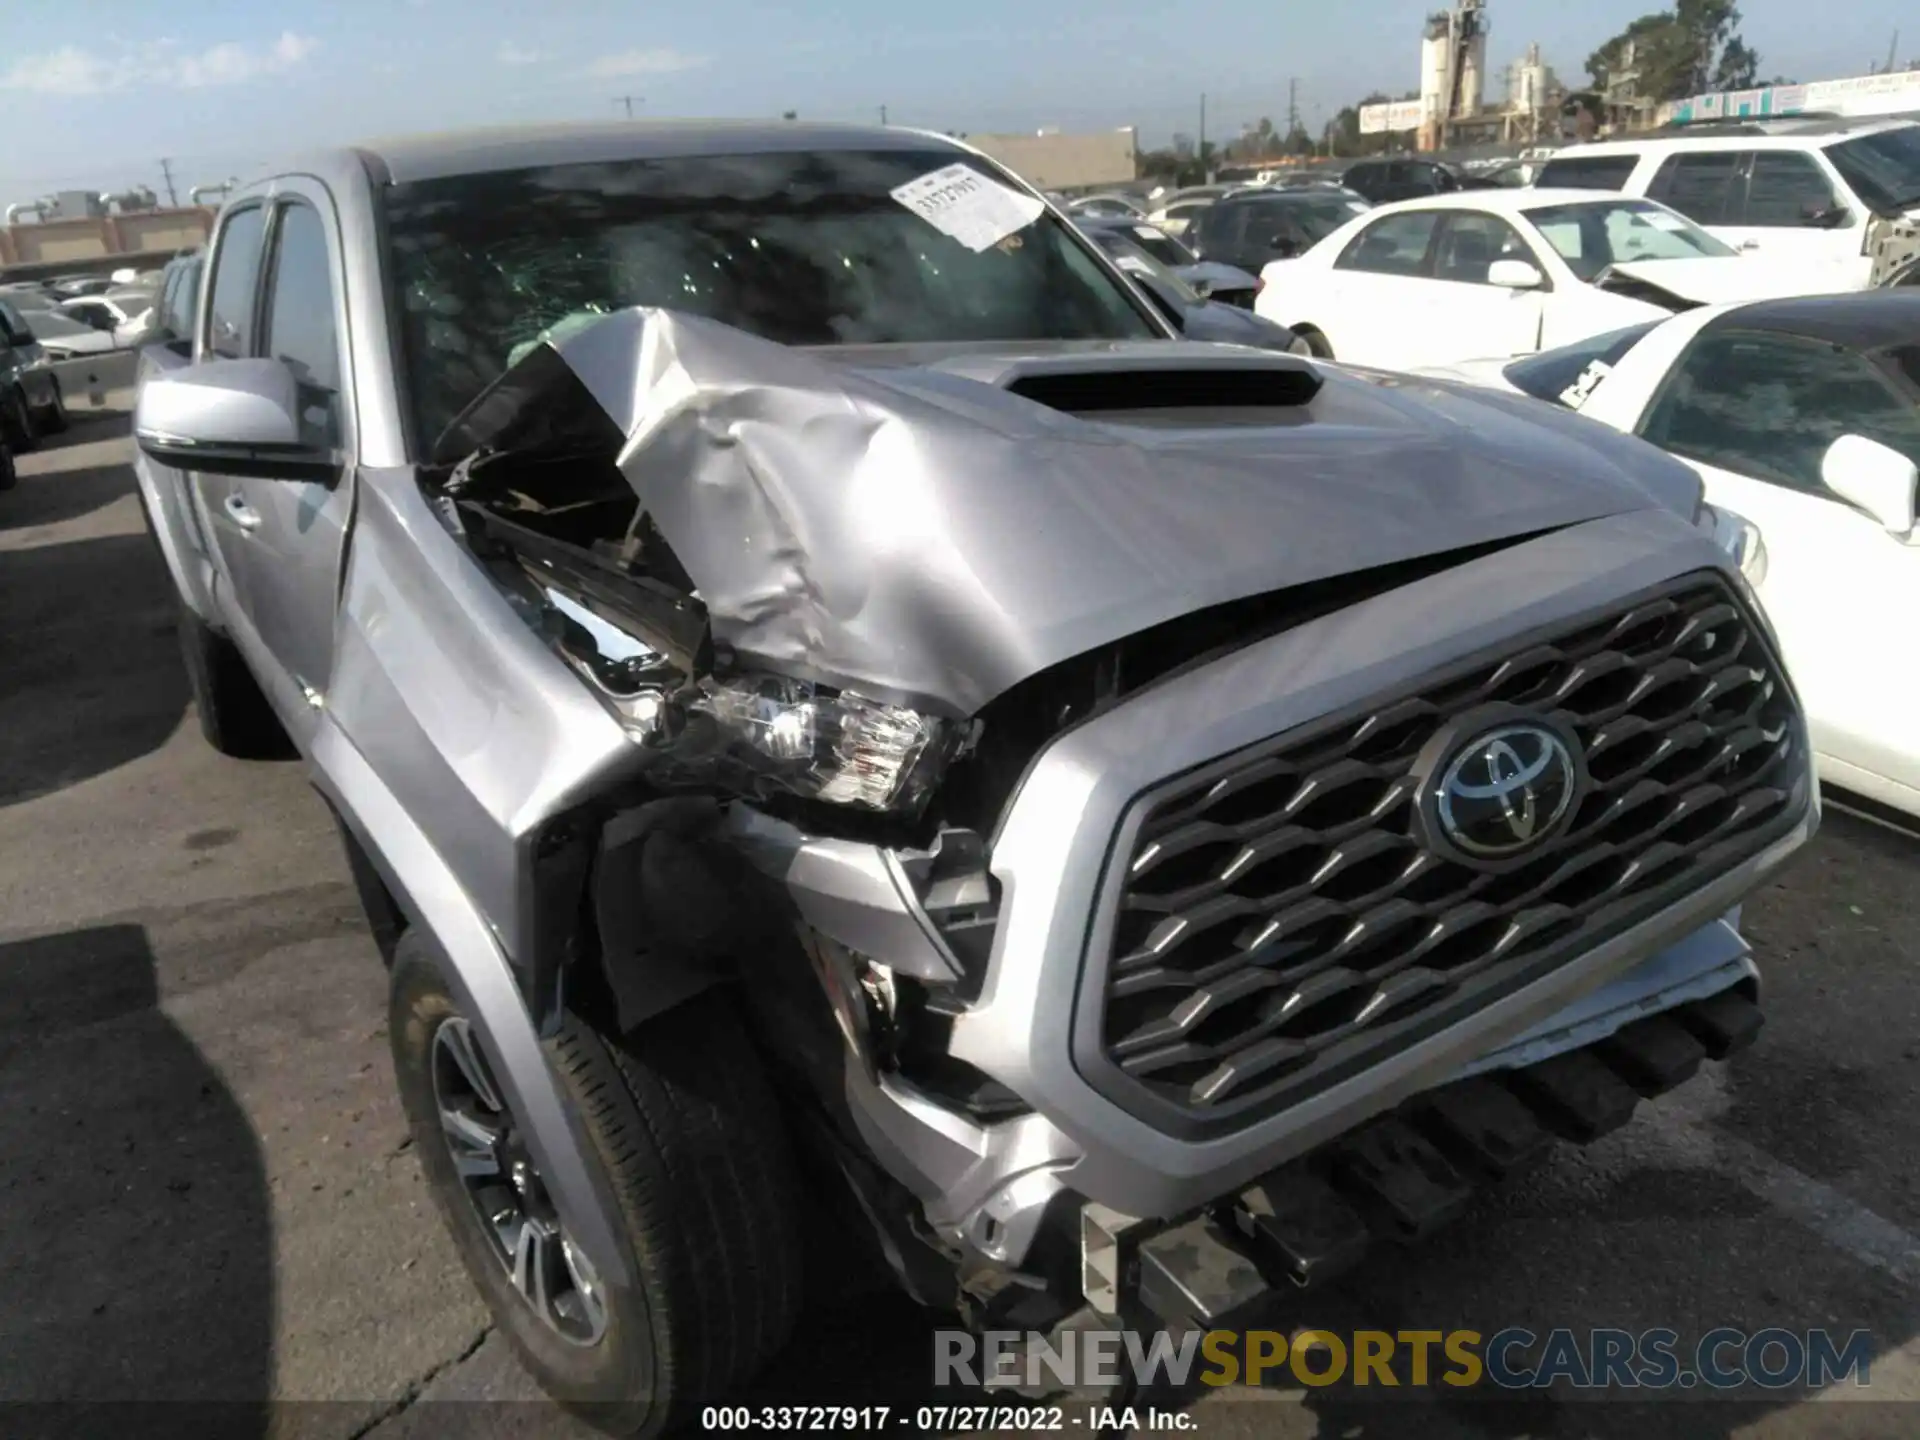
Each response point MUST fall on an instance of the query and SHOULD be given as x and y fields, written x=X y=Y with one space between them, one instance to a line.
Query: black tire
x=9 y=476
x=1316 y=342
x=22 y=433
x=234 y=714
x=687 y=1133
x=53 y=420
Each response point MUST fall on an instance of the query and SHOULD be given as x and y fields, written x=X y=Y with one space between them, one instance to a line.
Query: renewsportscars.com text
x=1511 y=1359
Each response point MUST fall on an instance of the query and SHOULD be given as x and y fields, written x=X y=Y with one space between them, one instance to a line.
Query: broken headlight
x=756 y=733
x=840 y=747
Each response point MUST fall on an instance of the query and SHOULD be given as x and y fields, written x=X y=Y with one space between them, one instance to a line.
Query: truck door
x=288 y=535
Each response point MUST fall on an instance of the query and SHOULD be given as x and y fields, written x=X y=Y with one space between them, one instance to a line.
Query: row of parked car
x=1753 y=351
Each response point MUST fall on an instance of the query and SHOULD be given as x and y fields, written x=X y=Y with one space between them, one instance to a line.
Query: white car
x=123 y=315
x=63 y=337
x=1502 y=272
x=1803 y=416
x=1816 y=193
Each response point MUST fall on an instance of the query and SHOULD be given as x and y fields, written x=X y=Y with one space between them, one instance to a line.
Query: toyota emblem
x=1506 y=791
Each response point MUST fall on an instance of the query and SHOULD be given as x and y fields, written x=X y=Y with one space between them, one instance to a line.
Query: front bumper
x=987 y=1185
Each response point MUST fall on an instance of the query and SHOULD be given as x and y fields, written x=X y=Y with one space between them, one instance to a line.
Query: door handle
x=241 y=513
x=1749 y=244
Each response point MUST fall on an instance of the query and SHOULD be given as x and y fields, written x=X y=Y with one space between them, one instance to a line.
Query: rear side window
x=1786 y=188
x=1218 y=225
x=1587 y=172
x=236 y=283
x=1395 y=245
x=1568 y=376
x=1701 y=186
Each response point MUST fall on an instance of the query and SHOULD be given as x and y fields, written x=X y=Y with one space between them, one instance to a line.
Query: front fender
x=483 y=987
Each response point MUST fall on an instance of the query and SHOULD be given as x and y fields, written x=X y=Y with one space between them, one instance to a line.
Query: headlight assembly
x=755 y=733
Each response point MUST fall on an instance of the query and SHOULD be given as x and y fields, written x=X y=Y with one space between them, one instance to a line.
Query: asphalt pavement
x=207 y=1195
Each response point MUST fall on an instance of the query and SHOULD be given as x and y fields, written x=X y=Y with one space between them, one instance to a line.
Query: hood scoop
x=1105 y=390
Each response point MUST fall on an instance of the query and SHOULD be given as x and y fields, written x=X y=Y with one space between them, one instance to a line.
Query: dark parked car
x=1227 y=284
x=1384 y=181
x=1197 y=316
x=30 y=400
x=1255 y=227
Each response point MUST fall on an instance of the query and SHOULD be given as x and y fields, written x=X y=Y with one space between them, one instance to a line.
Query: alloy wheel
x=502 y=1183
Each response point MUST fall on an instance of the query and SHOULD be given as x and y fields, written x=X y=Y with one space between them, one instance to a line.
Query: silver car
x=816 y=680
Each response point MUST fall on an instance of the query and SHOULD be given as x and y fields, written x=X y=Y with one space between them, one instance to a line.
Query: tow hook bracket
x=1483 y=1125
x=1297 y=1220
x=1188 y=1275
x=1579 y=1097
x=1725 y=1023
x=1103 y=1258
x=1654 y=1055
x=1412 y=1186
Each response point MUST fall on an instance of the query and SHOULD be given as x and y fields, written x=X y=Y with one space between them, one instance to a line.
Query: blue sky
x=94 y=92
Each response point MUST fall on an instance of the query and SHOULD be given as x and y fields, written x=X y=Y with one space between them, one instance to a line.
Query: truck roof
x=403 y=159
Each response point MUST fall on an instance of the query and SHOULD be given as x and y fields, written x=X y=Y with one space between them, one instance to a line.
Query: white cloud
x=71 y=70
x=643 y=62
x=512 y=54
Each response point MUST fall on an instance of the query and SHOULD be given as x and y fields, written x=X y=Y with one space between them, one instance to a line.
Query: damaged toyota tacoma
x=834 y=706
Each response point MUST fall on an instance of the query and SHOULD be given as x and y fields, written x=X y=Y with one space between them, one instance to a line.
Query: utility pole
x=166 y=173
x=1293 y=108
x=1206 y=170
x=627 y=100
x=883 y=114
x=1893 y=51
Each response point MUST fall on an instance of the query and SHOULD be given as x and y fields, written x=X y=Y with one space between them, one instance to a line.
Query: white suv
x=1817 y=192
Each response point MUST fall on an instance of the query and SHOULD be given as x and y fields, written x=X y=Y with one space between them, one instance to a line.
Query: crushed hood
x=1711 y=279
x=897 y=520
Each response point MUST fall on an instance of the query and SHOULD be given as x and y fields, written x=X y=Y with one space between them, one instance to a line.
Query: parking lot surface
x=208 y=1193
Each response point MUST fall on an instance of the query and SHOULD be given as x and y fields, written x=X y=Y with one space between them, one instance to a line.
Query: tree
x=1691 y=49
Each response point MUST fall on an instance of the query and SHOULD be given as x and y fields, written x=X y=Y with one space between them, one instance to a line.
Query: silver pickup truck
x=818 y=680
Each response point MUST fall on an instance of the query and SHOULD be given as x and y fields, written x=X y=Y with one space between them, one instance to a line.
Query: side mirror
x=229 y=417
x=1284 y=247
x=1515 y=275
x=1875 y=477
x=1833 y=217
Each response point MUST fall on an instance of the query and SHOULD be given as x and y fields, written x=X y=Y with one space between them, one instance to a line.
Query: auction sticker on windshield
x=958 y=200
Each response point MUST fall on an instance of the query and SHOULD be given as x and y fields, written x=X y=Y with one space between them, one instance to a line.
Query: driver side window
x=1471 y=243
x=1392 y=245
x=1768 y=406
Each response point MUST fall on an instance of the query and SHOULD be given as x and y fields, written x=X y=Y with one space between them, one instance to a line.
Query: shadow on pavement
x=85 y=425
x=50 y=497
x=137 y=1249
x=93 y=677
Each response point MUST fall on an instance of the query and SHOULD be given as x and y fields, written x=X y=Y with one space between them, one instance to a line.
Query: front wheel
x=685 y=1131
x=53 y=418
x=22 y=432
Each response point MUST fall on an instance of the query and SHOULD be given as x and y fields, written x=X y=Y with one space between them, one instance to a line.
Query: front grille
x=1280 y=925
